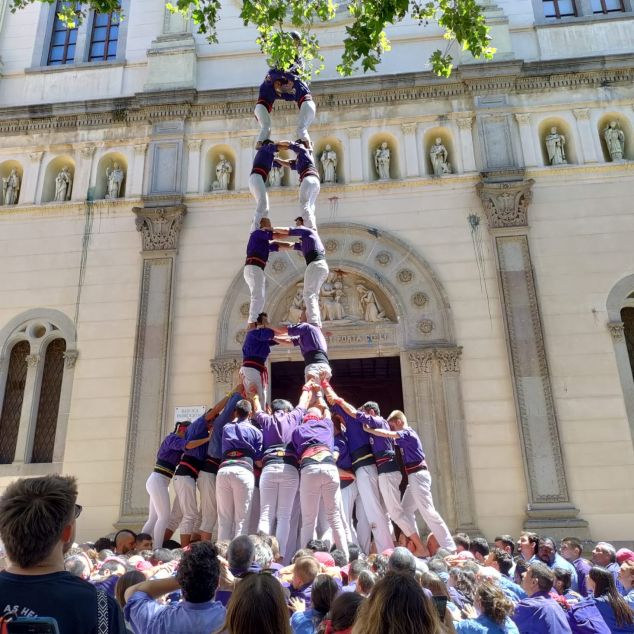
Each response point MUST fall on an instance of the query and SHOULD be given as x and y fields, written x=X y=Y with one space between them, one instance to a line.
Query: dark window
x=559 y=8
x=63 y=39
x=607 y=6
x=105 y=34
x=627 y=315
x=48 y=408
x=12 y=403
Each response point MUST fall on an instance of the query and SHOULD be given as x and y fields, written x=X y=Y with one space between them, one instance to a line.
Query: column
x=527 y=139
x=465 y=127
x=193 y=166
x=247 y=153
x=550 y=508
x=160 y=228
x=586 y=135
x=410 y=150
x=31 y=179
x=225 y=373
x=83 y=172
x=138 y=170
x=355 y=155
x=28 y=415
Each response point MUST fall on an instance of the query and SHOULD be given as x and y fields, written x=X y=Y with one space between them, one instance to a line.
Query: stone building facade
x=501 y=289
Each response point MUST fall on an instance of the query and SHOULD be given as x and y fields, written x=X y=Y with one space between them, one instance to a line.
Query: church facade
x=478 y=229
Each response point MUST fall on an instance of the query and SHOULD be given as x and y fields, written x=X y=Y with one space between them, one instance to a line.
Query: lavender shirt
x=196 y=431
x=259 y=247
x=257 y=344
x=277 y=428
x=171 y=449
x=314 y=432
x=244 y=437
x=410 y=444
x=309 y=243
x=311 y=342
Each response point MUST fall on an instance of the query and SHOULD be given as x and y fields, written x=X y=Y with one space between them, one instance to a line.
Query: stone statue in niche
x=223 y=174
x=555 y=146
x=615 y=140
x=11 y=188
x=370 y=306
x=297 y=305
x=382 y=161
x=439 y=155
x=276 y=174
x=329 y=164
x=332 y=296
x=114 y=178
x=63 y=185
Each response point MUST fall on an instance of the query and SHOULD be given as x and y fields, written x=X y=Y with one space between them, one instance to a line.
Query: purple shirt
x=197 y=430
x=257 y=344
x=584 y=618
x=309 y=243
x=304 y=164
x=264 y=159
x=411 y=446
x=277 y=428
x=171 y=449
x=310 y=340
x=358 y=439
x=215 y=444
x=314 y=432
x=582 y=566
x=344 y=459
x=540 y=614
x=243 y=437
x=259 y=247
x=381 y=447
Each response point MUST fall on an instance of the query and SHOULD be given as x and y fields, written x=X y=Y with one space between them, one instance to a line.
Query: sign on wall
x=188 y=412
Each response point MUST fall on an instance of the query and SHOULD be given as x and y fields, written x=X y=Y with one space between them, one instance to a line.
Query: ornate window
x=559 y=8
x=63 y=40
x=607 y=6
x=12 y=404
x=104 y=37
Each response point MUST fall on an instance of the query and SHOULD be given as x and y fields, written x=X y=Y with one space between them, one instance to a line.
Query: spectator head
x=263 y=555
x=366 y=581
x=571 y=548
x=317 y=545
x=305 y=570
x=462 y=541
x=127 y=580
x=243 y=409
x=262 y=319
x=464 y=581
x=78 y=567
x=626 y=574
x=563 y=580
x=37 y=518
x=372 y=408
x=434 y=584
x=356 y=567
x=479 y=548
x=143 y=541
x=343 y=612
x=340 y=557
x=281 y=405
x=493 y=603
x=402 y=560
x=488 y=574
x=500 y=560
x=112 y=566
x=124 y=541
x=397 y=604
x=546 y=550
x=104 y=543
x=538 y=578
x=240 y=554
x=624 y=554
x=274 y=545
x=198 y=572
x=222 y=546
x=603 y=554
x=527 y=544
x=161 y=556
x=521 y=566
x=353 y=552
x=303 y=552
x=380 y=565
x=600 y=582
x=505 y=543
x=257 y=605
x=324 y=590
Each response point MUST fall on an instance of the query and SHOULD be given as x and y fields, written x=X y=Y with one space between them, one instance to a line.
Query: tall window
x=559 y=8
x=627 y=315
x=104 y=37
x=63 y=39
x=12 y=404
x=607 y=6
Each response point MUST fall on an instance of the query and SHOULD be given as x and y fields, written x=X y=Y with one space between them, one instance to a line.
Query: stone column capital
x=32 y=360
x=409 y=128
x=223 y=369
x=465 y=122
x=193 y=145
x=87 y=151
x=617 y=330
x=70 y=358
x=506 y=203
x=421 y=361
x=354 y=133
x=140 y=148
x=160 y=227
x=523 y=118
x=582 y=114
x=36 y=157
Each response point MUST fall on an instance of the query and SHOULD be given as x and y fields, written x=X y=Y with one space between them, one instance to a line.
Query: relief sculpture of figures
x=329 y=164
x=223 y=174
x=555 y=145
x=615 y=140
x=63 y=185
x=114 y=176
x=370 y=306
x=11 y=188
x=297 y=305
x=382 y=161
x=439 y=155
x=331 y=296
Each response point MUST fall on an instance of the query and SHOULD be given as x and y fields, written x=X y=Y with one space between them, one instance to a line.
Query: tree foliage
x=365 y=39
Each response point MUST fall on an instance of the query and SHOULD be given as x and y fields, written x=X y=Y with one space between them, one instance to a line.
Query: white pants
x=295 y=529
x=254 y=277
x=251 y=525
x=318 y=372
x=278 y=485
x=361 y=535
x=306 y=116
x=185 y=488
x=176 y=516
x=368 y=484
x=157 y=486
x=264 y=119
x=208 y=506
x=324 y=532
x=321 y=482
x=389 y=484
x=308 y=192
x=257 y=187
x=252 y=376
x=234 y=490
x=419 y=489
x=315 y=275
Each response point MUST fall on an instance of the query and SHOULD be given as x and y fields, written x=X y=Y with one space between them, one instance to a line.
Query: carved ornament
x=160 y=226
x=32 y=360
x=70 y=358
x=448 y=359
x=223 y=369
x=506 y=204
x=617 y=330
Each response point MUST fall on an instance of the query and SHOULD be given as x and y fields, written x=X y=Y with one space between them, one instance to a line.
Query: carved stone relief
x=224 y=369
x=160 y=227
x=506 y=204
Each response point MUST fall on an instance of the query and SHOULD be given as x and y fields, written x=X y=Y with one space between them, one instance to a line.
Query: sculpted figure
x=329 y=163
x=297 y=305
x=223 y=174
x=555 y=145
x=114 y=176
x=439 y=155
x=331 y=295
x=63 y=185
x=615 y=140
x=276 y=173
x=382 y=161
x=11 y=188
x=372 y=310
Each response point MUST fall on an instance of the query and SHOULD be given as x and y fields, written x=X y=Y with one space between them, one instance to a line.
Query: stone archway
x=404 y=312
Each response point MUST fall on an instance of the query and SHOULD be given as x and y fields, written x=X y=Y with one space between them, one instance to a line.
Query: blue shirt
x=582 y=566
x=484 y=625
x=215 y=444
x=243 y=437
x=257 y=344
x=629 y=597
x=146 y=615
x=196 y=431
x=305 y=622
x=585 y=618
x=560 y=562
x=512 y=590
x=610 y=618
x=540 y=614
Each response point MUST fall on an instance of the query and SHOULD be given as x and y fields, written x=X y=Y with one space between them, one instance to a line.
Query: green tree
x=365 y=39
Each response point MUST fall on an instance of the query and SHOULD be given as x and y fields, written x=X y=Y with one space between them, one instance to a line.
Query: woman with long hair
x=397 y=605
x=494 y=609
x=323 y=592
x=615 y=611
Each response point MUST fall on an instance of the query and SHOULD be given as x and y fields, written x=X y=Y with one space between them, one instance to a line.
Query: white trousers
x=251 y=376
x=308 y=192
x=306 y=116
x=278 y=485
x=257 y=187
x=185 y=488
x=321 y=482
x=208 y=505
x=157 y=486
x=254 y=277
x=254 y=512
x=324 y=532
x=264 y=119
x=419 y=489
x=389 y=484
x=368 y=484
x=176 y=516
x=318 y=372
x=315 y=275
x=361 y=534
x=234 y=490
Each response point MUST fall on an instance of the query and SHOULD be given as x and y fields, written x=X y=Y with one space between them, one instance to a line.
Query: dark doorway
x=355 y=380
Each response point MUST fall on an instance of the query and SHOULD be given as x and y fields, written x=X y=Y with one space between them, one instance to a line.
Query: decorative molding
x=36 y=156
x=223 y=369
x=617 y=330
x=357 y=247
x=420 y=299
x=465 y=123
x=449 y=359
x=193 y=145
x=160 y=227
x=421 y=361
x=32 y=360
x=354 y=133
x=140 y=148
x=582 y=114
x=70 y=358
x=523 y=118
x=506 y=203
x=409 y=128
x=87 y=151
x=425 y=326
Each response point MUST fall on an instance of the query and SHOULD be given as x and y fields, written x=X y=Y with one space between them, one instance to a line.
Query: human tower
x=320 y=463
